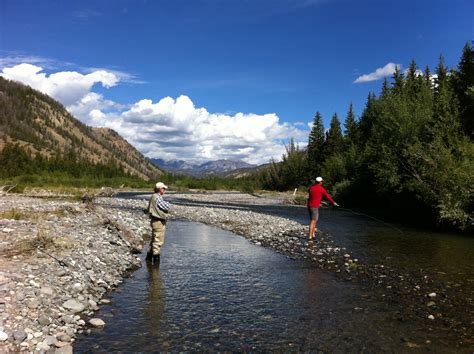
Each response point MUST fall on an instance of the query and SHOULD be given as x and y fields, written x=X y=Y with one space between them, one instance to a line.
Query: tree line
x=411 y=149
x=21 y=166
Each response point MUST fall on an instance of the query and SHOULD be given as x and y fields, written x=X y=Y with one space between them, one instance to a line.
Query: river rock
x=74 y=306
x=44 y=320
x=64 y=338
x=42 y=346
x=33 y=304
x=46 y=290
x=67 y=349
x=3 y=336
x=50 y=340
x=19 y=335
x=97 y=322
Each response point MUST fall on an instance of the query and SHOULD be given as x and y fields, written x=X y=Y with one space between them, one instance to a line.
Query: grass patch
x=17 y=214
x=44 y=240
x=13 y=214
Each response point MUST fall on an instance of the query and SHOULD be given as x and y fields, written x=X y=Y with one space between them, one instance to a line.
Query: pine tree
x=367 y=120
x=315 y=150
x=465 y=89
x=334 y=138
x=446 y=119
x=351 y=128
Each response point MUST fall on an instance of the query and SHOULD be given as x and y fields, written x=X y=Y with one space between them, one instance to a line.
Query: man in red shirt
x=316 y=192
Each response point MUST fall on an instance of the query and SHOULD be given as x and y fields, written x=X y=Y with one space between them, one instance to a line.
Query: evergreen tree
x=351 y=129
x=315 y=149
x=367 y=119
x=446 y=119
x=334 y=138
x=351 y=138
x=465 y=89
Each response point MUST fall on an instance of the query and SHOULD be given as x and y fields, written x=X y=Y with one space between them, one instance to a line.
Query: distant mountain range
x=220 y=168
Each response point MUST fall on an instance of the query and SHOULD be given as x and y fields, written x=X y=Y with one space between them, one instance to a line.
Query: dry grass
x=17 y=214
x=44 y=240
x=14 y=214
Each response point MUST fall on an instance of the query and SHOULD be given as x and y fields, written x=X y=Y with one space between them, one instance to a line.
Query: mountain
x=174 y=165
x=218 y=167
x=40 y=124
x=246 y=171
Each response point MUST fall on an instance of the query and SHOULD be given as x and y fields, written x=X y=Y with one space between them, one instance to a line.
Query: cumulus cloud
x=175 y=128
x=379 y=73
x=169 y=128
x=66 y=86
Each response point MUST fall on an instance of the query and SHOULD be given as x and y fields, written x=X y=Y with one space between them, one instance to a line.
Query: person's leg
x=149 y=255
x=316 y=218
x=158 y=236
x=312 y=225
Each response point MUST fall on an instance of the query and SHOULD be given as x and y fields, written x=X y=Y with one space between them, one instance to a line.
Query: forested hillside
x=412 y=149
x=37 y=135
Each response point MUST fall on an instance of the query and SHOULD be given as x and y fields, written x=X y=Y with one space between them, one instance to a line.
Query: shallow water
x=215 y=291
x=447 y=254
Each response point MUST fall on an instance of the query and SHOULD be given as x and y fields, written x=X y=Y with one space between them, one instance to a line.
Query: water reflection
x=155 y=304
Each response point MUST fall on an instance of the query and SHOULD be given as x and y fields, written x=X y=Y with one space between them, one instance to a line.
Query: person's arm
x=161 y=204
x=328 y=197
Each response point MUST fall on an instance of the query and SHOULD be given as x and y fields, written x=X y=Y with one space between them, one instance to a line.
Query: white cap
x=319 y=179
x=160 y=185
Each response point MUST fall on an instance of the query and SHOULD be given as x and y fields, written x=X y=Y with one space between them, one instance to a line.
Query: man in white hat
x=158 y=210
x=316 y=192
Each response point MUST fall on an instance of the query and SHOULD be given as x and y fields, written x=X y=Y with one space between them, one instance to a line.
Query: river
x=215 y=291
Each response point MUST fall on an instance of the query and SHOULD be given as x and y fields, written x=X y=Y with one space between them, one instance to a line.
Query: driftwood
x=7 y=188
x=133 y=241
x=104 y=192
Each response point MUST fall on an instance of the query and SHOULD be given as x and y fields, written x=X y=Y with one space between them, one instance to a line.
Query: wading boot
x=155 y=260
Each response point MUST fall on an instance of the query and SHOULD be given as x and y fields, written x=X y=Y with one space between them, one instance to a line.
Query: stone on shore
x=97 y=322
x=3 y=336
x=74 y=306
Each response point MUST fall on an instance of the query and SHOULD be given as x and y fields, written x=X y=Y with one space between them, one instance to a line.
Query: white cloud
x=176 y=129
x=168 y=128
x=379 y=73
x=66 y=86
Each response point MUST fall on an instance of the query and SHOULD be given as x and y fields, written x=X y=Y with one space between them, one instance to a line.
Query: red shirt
x=316 y=193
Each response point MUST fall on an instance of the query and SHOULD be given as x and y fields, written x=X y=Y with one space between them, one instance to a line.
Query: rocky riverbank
x=60 y=258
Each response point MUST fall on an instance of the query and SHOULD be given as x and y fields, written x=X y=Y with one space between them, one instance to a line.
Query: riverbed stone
x=44 y=320
x=3 y=336
x=73 y=305
x=19 y=335
x=50 y=340
x=46 y=290
x=66 y=349
x=42 y=346
x=33 y=304
x=97 y=322
x=64 y=337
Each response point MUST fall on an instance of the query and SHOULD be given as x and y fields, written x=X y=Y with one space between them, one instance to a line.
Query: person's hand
x=335 y=204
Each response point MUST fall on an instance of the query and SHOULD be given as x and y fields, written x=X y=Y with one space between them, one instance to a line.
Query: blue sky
x=208 y=79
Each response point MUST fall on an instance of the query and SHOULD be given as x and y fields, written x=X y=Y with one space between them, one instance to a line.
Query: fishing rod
x=61 y=262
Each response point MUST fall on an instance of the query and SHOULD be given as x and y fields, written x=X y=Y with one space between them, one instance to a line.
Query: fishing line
x=374 y=218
